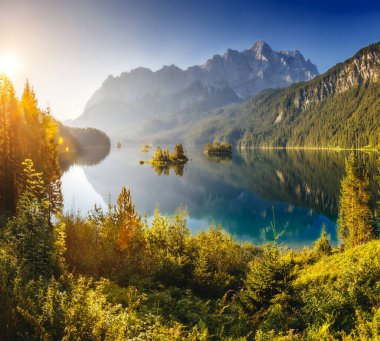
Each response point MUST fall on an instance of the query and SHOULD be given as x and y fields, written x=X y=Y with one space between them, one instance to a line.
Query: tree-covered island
x=164 y=158
x=218 y=148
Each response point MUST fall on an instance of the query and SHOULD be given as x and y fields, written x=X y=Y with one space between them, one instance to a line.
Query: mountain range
x=340 y=108
x=257 y=97
x=139 y=103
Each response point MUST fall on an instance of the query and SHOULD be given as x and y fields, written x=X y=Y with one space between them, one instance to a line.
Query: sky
x=67 y=48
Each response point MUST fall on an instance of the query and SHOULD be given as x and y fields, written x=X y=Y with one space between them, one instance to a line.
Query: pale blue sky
x=67 y=48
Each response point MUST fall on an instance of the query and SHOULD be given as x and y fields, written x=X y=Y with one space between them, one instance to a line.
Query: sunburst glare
x=8 y=64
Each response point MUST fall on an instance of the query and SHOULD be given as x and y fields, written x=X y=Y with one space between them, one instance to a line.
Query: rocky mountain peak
x=229 y=54
x=261 y=48
x=292 y=53
x=236 y=75
x=260 y=45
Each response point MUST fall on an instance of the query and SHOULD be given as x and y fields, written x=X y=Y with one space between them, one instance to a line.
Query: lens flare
x=8 y=65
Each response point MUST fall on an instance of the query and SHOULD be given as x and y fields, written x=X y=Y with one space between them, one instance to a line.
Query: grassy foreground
x=113 y=276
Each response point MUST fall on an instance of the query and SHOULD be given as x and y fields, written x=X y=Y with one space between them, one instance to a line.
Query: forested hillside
x=82 y=138
x=27 y=132
x=338 y=108
x=81 y=145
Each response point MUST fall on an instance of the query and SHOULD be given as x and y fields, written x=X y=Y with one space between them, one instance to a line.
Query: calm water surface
x=240 y=193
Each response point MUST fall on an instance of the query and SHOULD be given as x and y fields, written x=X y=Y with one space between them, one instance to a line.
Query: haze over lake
x=238 y=193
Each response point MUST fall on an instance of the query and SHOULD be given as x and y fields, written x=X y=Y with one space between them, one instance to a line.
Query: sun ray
x=8 y=64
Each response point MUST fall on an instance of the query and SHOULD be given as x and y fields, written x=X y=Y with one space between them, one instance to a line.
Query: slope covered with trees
x=82 y=138
x=26 y=132
x=337 y=108
x=81 y=145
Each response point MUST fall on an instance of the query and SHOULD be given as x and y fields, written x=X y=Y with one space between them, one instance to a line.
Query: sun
x=8 y=64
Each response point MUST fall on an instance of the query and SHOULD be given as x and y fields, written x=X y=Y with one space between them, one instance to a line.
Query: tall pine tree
x=10 y=155
x=26 y=132
x=355 y=223
x=128 y=220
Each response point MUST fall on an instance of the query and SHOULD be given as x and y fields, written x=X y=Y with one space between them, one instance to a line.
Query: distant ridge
x=141 y=101
x=340 y=108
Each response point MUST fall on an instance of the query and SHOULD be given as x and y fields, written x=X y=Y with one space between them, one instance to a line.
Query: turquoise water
x=240 y=193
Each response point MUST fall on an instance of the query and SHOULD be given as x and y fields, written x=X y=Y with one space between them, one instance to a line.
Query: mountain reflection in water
x=239 y=193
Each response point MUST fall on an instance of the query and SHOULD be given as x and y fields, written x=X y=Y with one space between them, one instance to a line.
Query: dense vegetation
x=339 y=108
x=218 y=148
x=83 y=138
x=112 y=275
x=25 y=132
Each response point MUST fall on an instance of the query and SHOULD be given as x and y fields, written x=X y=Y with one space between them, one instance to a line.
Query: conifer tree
x=355 y=223
x=158 y=155
x=29 y=102
x=322 y=245
x=10 y=159
x=166 y=155
x=268 y=281
x=128 y=220
x=31 y=182
x=178 y=153
x=37 y=243
x=26 y=133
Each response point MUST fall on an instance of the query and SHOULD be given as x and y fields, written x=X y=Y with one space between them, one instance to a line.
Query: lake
x=240 y=193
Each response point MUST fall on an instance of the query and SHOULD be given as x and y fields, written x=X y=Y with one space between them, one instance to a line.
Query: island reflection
x=238 y=193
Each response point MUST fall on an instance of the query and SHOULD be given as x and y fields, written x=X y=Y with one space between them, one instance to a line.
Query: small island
x=163 y=161
x=145 y=148
x=163 y=157
x=217 y=148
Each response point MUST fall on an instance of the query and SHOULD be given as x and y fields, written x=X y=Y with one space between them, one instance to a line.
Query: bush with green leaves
x=220 y=263
x=266 y=298
x=337 y=287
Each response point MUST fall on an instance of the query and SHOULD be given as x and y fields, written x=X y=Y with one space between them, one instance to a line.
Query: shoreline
x=337 y=149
